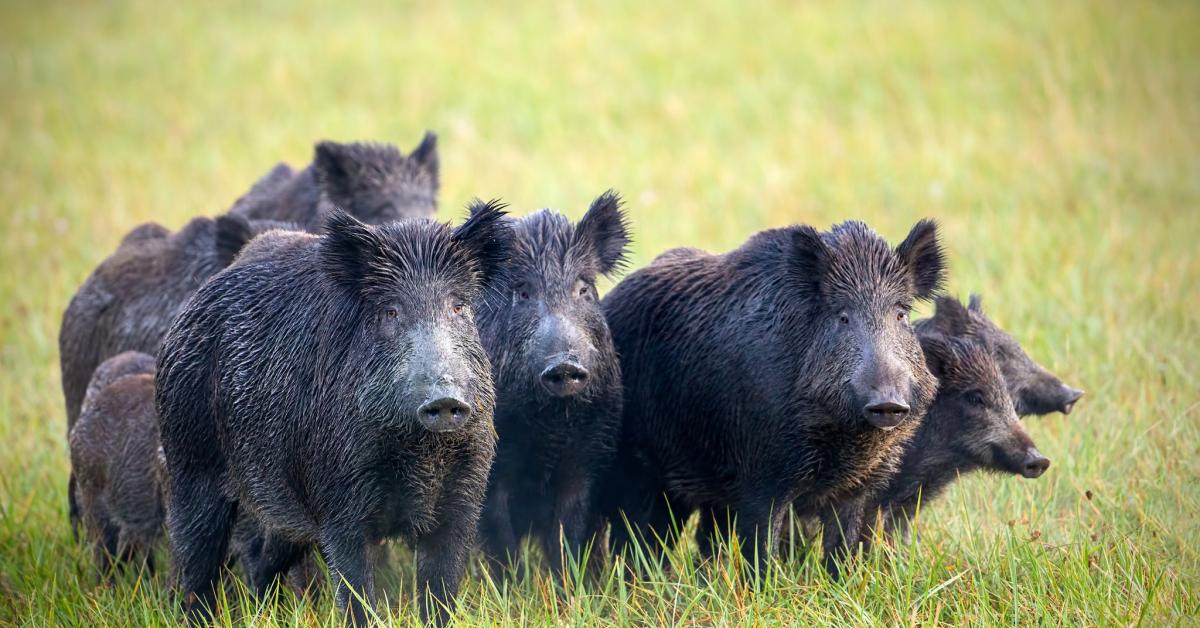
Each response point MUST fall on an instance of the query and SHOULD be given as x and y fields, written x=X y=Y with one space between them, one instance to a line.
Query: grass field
x=1058 y=143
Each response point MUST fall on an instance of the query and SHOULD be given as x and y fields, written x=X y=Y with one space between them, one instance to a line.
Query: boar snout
x=565 y=377
x=445 y=412
x=1070 y=396
x=885 y=413
x=883 y=382
x=1035 y=464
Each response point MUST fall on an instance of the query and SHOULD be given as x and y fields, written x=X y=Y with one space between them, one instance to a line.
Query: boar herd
x=325 y=367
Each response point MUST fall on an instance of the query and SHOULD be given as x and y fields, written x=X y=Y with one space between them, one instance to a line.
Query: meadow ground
x=1058 y=143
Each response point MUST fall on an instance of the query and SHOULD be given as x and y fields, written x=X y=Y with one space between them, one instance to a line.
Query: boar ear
x=233 y=232
x=347 y=248
x=923 y=256
x=810 y=257
x=487 y=237
x=334 y=166
x=605 y=229
x=975 y=304
x=426 y=154
x=950 y=317
x=940 y=358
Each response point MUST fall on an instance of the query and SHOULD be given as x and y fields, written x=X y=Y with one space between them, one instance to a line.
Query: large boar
x=336 y=389
x=558 y=384
x=374 y=183
x=782 y=372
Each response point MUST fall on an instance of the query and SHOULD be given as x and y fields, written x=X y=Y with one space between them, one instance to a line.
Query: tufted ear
x=426 y=154
x=940 y=357
x=348 y=248
x=950 y=317
x=233 y=232
x=335 y=167
x=922 y=255
x=975 y=304
x=487 y=237
x=605 y=230
x=810 y=257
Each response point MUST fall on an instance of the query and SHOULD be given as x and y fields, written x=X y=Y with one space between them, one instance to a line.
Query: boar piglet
x=785 y=371
x=113 y=458
x=972 y=425
x=1034 y=390
x=558 y=384
x=334 y=387
x=374 y=183
x=129 y=301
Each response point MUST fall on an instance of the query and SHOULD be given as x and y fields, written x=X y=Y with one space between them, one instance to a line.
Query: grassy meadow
x=1058 y=144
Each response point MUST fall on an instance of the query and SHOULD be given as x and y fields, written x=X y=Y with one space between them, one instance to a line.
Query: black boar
x=129 y=301
x=113 y=447
x=782 y=372
x=335 y=388
x=1034 y=390
x=558 y=388
x=375 y=183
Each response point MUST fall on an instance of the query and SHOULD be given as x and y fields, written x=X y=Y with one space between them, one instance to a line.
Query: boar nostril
x=443 y=415
x=565 y=379
x=1035 y=464
x=1073 y=395
x=886 y=414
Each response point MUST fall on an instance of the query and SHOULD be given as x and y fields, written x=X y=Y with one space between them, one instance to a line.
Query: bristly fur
x=376 y=259
x=375 y=183
x=739 y=373
x=552 y=449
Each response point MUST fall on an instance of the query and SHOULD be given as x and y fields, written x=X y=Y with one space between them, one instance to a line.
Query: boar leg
x=200 y=522
x=274 y=559
x=570 y=526
x=843 y=526
x=441 y=562
x=757 y=526
x=346 y=553
x=500 y=543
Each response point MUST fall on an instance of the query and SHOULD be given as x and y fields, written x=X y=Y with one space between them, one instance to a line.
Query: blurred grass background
x=1056 y=142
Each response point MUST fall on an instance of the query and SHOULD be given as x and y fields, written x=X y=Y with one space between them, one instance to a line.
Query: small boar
x=335 y=388
x=971 y=425
x=558 y=387
x=782 y=372
x=1034 y=390
x=374 y=183
x=113 y=447
x=131 y=298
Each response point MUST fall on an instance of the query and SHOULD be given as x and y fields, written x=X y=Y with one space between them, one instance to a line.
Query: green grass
x=1058 y=143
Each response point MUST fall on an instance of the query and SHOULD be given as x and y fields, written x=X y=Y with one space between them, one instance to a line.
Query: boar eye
x=584 y=290
x=392 y=313
x=458 y=308
x=844 y=318
x=974 y=397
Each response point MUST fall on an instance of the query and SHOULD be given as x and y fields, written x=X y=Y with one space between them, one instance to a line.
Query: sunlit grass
x=1058 y=144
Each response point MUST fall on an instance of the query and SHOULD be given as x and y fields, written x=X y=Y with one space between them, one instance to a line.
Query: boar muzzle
x=445 y=413
x=565 y=378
